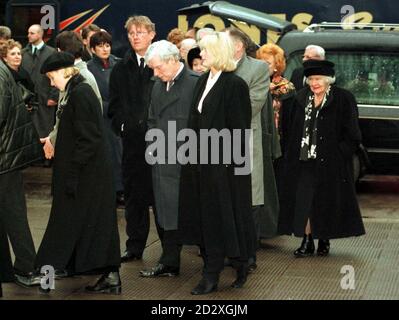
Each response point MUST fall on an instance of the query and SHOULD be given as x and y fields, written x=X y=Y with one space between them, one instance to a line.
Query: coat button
x=322 y=160
x=321 y=138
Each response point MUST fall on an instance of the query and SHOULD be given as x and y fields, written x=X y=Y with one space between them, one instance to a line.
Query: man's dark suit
x=128 y=107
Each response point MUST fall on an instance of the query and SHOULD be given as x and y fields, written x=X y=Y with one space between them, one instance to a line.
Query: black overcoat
x=213 y=200
x=82 y=232
x=130 y=93
x=335 y=211
x=173 y=105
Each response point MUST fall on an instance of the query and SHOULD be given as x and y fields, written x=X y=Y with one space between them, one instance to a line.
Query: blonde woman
x=82 y=233
x=215 y=204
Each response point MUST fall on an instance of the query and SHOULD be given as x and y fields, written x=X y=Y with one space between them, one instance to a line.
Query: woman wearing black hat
x=82 y=233
x=320 y=199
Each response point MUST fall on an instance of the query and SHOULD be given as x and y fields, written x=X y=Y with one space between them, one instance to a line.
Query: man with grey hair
x=5 y=33
x=185 y=46
x=170 y=106
x=33 y=56
x=312 y=52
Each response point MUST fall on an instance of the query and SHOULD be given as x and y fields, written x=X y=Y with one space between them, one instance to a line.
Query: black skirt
x=305 y=194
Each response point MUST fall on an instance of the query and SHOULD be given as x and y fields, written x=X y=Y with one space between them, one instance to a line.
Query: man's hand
x=51 y=103
x=48 y=148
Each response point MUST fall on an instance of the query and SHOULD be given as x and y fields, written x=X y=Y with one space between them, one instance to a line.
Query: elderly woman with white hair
x=318 y=198
x=215 y=203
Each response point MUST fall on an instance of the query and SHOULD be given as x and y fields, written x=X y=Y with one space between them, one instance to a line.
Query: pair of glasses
x=139 y=34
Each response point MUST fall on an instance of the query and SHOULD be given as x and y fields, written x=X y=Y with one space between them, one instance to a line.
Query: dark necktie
x=34 y=52
x=141 y=67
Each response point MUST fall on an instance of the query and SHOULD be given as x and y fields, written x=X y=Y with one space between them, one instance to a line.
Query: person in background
x=130 y=87
x=191 y=33
x=82 y=232
x=282 y=90
x=176 y=36
x=33 y=56
x=185 y=47
x=87 y=32
x=194 y=60
x=101 y=66
x=215 y=203
x=318 y=197
x=5 y=33
x=312 y=52
x=22 y=148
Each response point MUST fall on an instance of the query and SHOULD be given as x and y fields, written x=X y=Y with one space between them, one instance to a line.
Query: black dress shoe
x=128 y=256
x=205 y=286
x=108 y=283
x=32 y=279
x=160 y=270
x=242 y=274
x=307 y=247
x=323 y=248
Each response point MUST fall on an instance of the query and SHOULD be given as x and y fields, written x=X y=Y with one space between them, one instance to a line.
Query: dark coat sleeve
x=87 y=131
x=115 y=107
x=350 y=136
x=240 y=111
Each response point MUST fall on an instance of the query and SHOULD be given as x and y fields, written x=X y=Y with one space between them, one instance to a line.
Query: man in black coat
x=130 y=89
x=33 y=56
x=22 y=148
x=312 y=52
x=170 y=106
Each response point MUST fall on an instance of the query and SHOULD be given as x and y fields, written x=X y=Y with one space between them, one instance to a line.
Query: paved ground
x=373 y=259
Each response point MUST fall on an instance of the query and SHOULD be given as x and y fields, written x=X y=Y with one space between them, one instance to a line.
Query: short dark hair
x=99 y=38
x=91 y=27
x=70 y=41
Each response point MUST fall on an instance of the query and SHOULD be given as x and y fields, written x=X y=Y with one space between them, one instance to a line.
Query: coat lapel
x=211 y=102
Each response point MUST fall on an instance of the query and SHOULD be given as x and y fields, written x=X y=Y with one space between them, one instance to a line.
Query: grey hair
x=165 y=50
x=201 y=33
x=319 y=50
x=328 y=80
x=5 y=32
x=189 y=43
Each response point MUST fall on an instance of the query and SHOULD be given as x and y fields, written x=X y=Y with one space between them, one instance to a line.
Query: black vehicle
x=367 y=64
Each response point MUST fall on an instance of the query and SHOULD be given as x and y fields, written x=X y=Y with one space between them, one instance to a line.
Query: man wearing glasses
x=130 y=89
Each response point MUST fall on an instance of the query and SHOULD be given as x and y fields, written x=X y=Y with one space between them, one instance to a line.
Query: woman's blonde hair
x=221 y=47
x=275 y=51
x=7 y=45
x=70 y=72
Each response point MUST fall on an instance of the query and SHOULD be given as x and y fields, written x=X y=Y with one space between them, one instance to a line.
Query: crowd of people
x=90 y=112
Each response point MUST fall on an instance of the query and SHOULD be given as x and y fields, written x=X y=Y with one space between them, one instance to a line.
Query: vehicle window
x=372 y=77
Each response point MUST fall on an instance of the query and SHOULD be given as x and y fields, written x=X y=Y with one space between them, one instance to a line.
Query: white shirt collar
x=170 y=83
x=139 y=58
x=38 y=47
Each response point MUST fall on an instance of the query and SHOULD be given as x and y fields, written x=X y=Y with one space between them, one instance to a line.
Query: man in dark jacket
x=170 y=106
x=130 y=89
x=33 y=56
x=23 y=147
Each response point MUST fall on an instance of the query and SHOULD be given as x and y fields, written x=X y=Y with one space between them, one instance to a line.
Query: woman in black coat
x=82 y=233
x=215 y=203
x=318 y=197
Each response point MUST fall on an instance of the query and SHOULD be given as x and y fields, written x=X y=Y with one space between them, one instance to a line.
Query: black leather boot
x=242 y=274
x=307 y=247
x=108 y=283
x=323 y=248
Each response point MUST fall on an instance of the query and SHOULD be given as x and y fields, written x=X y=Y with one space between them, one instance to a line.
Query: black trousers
x=137 y=184
x=14 y=222
x=171 y=248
